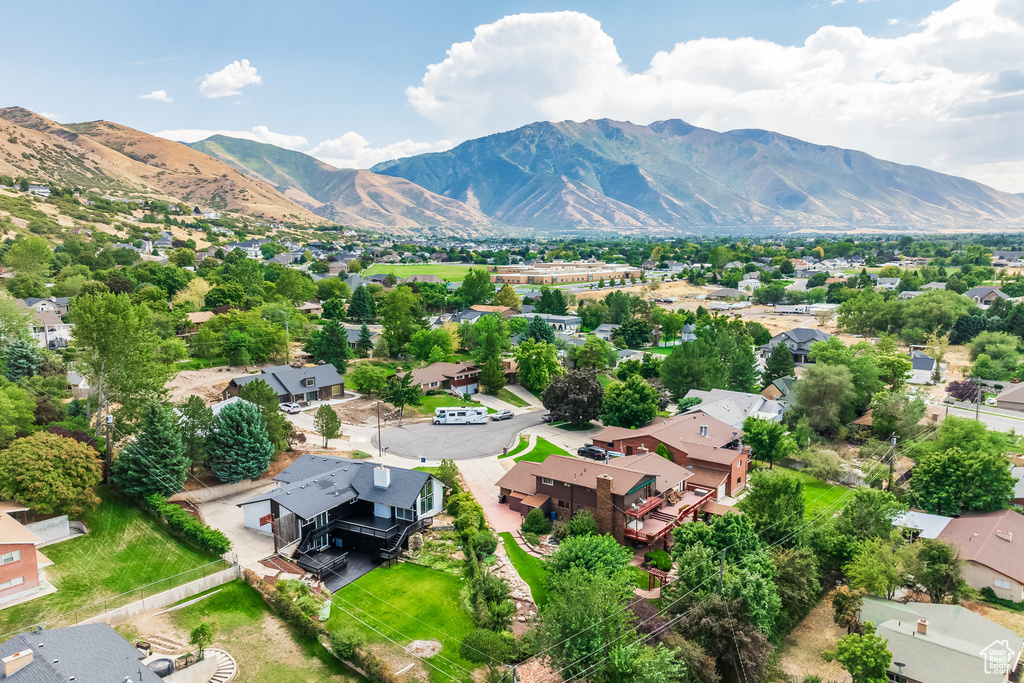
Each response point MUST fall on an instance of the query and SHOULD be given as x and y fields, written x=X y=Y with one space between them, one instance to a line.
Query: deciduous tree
x=767 y=439
x=954 y=481
x=576 y=397
x=538 y=364
x=774 y=504
x=401 y=391
x=50 y=474
x=825 y=394
x=369 y=378
x=326 y=423
x=629 y=404
x=864 y=655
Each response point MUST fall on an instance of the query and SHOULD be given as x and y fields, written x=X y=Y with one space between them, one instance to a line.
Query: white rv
x=460 y=416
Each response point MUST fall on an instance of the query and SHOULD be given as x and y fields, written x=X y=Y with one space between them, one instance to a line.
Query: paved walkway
x=525 y=395
x=480 y=476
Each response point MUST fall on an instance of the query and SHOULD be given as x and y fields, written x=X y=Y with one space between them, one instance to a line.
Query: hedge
x=188 y=527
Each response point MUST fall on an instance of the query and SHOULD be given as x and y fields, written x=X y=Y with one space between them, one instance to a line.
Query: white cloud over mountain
x=352 y=150
x=230 y=80
x=949 y=94
x=258 y=134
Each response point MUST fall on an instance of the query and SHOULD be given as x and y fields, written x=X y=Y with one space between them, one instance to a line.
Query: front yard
x=124 y=550
x=541 y=450
x=429 y=403
x=406 y=603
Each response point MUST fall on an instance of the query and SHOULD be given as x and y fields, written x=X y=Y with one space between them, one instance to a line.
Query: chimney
x=1005 y=535
x=16 y=662
x=922 y=627
x=381 y=477
x=604 y=512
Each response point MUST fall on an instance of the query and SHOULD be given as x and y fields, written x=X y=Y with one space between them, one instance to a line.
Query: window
x=427 y=497
x=1000 y=583
x=739 y=480
x=546 y=481
x=563 y=503
x=10 y=557
x=407 y=515
x=308 y=382
x=336 y=390
x=16 y=581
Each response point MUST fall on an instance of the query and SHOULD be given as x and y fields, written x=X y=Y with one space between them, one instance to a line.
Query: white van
x=460 y=416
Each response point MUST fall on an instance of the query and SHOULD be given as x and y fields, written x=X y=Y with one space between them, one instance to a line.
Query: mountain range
x=666 y=177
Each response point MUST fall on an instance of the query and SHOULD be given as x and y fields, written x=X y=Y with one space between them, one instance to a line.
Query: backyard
x=820 y=497
x=530 y=569
x=451 y=272
x=125 y=550
x=406 y=603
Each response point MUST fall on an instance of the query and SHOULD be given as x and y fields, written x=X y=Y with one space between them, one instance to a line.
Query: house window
x=7 y=558
x=563 y=503
x=407 y=515
x=427 y=497
x=1000 y=583
x=739 y=480
x=308 y=382
x=434 y=384
x=547 y=482
x=336 y=390
x=16 y=581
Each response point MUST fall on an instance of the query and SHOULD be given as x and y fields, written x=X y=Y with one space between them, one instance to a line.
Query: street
x=456 y=442
x=992 y=417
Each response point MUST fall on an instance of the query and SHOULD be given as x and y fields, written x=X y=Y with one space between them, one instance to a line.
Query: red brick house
x=462 y=377
x=711 y=447
x=20 y=562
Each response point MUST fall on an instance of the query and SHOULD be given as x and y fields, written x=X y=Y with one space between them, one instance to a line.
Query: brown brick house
x=462 y=377
x=694 y=439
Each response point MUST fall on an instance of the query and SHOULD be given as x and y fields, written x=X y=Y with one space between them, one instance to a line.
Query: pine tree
x=155 y=462
x=742 y=369
x=365 y=342
x=20 y=359
x=492 y=375
x=195 y=423
x=779 y=364
x=362 y=305
x=239 y=447
x=329 y=344
x=539 y=330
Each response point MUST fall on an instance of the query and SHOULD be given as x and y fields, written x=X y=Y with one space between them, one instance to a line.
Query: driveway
x=249 y=545
x=456 y=442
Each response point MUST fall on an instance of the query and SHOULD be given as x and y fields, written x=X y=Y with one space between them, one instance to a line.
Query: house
x=1011 y=398
x=461 y=377
x=984 y=295
x=605 y=331
x=56 y=304
x=923 y=368
x=688 y=333
x=727 y=293
x=47 y=329
x=909 y=294
x=327 y=512
x=21 y=564
x=712 y=447
x=353 y=336
x=1018 y=487
x=921 y=524
x=733 y=407
x=220 y=405
x=934 y=285
x=197 y=318
x=299 y=385
x=312 y=308
x=423 y=277
x=942 y=643
x=780 y=389
x=87 y=652
x=505 y=312
x=639 y=498
x=798 y=341
x=888 y=283
x=992 y=545
x=39 y=190
x=77 y=384
x=559 y=323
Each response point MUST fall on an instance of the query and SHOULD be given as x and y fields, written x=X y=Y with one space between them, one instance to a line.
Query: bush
x=188 y=527
x=470 y=519
x=487 y=647
x=560 y=530
x=531 y=538
x=659 y=559
x=536 y=522
x=293 y=615
x=484 y=543
x=344 y=645
x=455 y=503
x=582 y=524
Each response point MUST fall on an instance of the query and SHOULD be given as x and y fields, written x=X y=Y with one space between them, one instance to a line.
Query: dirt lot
x=206 y=384
x=801 y=654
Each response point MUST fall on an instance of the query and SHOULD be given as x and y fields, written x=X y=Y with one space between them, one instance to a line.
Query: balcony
x=648 y=505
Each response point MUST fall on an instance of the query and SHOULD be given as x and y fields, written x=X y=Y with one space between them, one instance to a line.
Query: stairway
x=526 y=547
x=226 y=666
x=164 y=644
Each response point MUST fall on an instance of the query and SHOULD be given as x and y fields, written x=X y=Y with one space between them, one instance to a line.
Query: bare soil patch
x=1011 y=620
x=801 y=654
x=207 y=384
x=364 y=410
x=423 y=648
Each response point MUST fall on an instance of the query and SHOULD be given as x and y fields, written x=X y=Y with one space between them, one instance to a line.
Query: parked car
x=590 y=451
x=546 y=417
x=990 y=401
x=291 y=408
x=502 y=415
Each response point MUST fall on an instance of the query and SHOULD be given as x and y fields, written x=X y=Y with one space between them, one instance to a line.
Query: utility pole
x=892 y=462
x=977 y=402
x=110 y=450
x=288 y=342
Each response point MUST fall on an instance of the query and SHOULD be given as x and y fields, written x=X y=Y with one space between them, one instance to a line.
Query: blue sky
x=932 y=83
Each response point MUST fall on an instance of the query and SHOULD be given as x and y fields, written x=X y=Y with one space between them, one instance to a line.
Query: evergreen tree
x=329 y=344
x=365 y=342
x=239 y=447
x=743 y=369
x=278 y=428
x=779 y=364
x=492 y=375
x=21 y=358
x=195 y=423
x=362 y=306
x=155 y=462
x=540 y=331
x=327 y=424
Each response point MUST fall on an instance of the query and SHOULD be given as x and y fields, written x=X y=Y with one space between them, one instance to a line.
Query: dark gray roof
x=922 y=361
x=60 y=300
x=91 y=653
x=798 y=340
x=983 y=291
x=284 y=379
x=313 y=484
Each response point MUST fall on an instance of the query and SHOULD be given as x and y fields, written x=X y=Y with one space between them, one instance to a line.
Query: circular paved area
x=456 y=442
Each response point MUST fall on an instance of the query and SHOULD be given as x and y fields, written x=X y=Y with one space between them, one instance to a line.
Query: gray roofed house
x=923 y=525
x=799 y=342
x=301 y=385
x=1012 y=397
x=559 y=323
x=353 y=336
x=923 y=368
x=985 y=295
x=942 y=643
x=688 y=333
x=934 y=285
x=57 y=304
x=727 y=293
x=353 y=280
x=327 y=510
x=888 y=282
x=733 y=407
x=89 y=653
x=605 y=331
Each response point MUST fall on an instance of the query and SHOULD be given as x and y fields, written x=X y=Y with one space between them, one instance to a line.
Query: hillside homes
x=992 y=545
x=298 y=385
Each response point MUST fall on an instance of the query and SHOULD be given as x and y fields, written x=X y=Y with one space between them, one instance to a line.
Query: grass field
x=445 y=271
x=123 y=551
x=819 y=495
x=405 y=603
x=605 y=380
x=266 y=649
x=530 y=569
x=541 y=450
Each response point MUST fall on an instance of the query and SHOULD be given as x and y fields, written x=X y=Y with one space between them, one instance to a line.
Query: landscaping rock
x=415 y=542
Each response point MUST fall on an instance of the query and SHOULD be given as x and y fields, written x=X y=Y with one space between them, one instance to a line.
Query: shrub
x=560 y=530
x=531 y=538
x=470 y=519
x=484 y=543
x=344 y=644
x=293 y=615
x=486 y=647
x=659 y=559
x=455 y=502
x=582 y=524
x=536 y=522
x=188 y=527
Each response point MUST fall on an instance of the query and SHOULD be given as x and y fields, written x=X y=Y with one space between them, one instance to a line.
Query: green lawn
x=661 y=351
x=247 y=629
x=605 y=380
x=430 y=403
x=523 y=443
x=446 y=271
x=819 y=495
x=530 y=569
x=508 y=397
x=541 y=451
x=405 y=603
x=124 y=550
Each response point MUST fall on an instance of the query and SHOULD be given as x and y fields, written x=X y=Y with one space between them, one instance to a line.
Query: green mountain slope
x=351 y=197
x=610 y=174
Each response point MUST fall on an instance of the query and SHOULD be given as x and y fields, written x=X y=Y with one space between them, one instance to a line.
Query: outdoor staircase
x=227 y=669
x=164 y=644
x=394 y=549
x=662 y=517
x=526 y=547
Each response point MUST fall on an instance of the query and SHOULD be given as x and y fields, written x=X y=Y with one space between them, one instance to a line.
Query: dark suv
x=590 y=451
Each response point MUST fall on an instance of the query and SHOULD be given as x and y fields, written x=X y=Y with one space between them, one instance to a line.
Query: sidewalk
x=525 y=395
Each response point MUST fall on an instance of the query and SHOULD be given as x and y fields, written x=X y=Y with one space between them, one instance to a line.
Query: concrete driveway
x=456 y=442
x=249 y=545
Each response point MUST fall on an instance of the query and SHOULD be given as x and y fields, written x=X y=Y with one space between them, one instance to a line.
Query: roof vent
x=1005 y=535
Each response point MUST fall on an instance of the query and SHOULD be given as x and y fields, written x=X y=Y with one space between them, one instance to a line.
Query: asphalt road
x=456 y=442
x=993 y=418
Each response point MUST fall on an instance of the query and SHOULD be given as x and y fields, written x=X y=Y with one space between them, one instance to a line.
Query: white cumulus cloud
x=257 y=133
x=230 y=80
x=158 y=95
x=947 y=95
x=352 y=150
